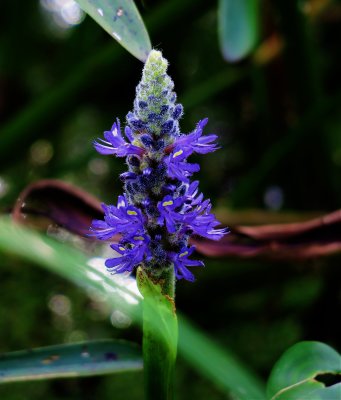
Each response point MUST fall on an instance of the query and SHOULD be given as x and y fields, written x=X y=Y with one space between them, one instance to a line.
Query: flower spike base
x=160 y=334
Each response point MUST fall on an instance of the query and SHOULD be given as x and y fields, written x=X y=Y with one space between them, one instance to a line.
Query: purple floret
x=178 y=167
x=195 y=142
x=202 y=222
x=168 y=214
x=116 y=144
x=130 y=255
x=181 y=261
x=123 y=219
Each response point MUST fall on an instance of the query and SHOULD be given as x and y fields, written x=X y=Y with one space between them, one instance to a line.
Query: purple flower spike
x=161 y=208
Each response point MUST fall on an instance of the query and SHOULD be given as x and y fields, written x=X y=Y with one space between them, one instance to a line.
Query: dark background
x=278 y=121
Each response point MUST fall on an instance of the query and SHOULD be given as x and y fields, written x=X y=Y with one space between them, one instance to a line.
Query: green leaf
x=122 y=20
x=295 y=375
x=238 y=27
x=207 y=357
x=70 y=360
x=70 y=264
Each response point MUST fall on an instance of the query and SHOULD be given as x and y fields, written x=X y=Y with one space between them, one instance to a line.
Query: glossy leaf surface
x=299 y=373
x=122 y=21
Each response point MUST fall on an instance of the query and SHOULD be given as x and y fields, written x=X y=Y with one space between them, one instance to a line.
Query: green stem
x=159 y=334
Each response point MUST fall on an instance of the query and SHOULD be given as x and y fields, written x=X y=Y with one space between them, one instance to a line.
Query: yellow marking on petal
x=122 y=248
x=167 y=203
x=138 y=238
x=130 y=212
x=183 y=254
x=177 y=154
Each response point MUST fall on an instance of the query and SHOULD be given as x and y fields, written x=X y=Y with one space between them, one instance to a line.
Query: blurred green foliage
x=277 y=117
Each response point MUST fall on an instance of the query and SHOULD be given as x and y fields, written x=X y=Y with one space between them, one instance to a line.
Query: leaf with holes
x=122 y=20
x=307 y=371
x=70 y=360
x=238 y=25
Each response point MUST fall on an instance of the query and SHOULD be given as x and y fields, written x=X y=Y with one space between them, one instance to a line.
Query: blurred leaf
x=70 y=360
x=54 y=200
x=73 y=265
x=298 y=373
x=69 y=263
x=122 y=21
x=221 y=367
x=302 y=240
x=160 y=337
x=238 y=26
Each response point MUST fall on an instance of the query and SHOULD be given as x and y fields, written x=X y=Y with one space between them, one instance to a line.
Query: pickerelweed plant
x=160 y=208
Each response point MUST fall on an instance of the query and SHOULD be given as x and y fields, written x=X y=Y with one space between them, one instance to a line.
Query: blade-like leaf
x=296 y=374
x=70 y=360
x=221 y=367
x=74 y=266
x=122 y=21
x=238 y=26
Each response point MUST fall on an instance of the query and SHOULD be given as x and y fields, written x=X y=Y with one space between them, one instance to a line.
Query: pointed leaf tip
x=123 y=22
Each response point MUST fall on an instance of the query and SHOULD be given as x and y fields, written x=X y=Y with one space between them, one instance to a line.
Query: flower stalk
x=160 y=334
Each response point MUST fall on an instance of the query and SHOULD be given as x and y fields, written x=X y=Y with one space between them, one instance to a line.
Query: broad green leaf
x=207 y=357
x=122 y=21
x=310 y=390
x=294 y=375
x=238 y=26
x=70 y=360
x=160 y=337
